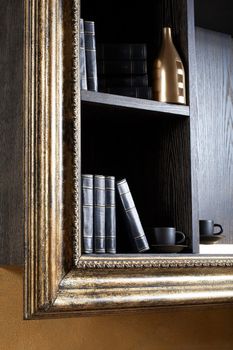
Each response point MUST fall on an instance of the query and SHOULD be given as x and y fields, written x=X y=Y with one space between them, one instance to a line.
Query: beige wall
x=180 y=329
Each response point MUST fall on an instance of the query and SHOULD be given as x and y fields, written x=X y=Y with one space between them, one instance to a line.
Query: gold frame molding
x=54 y=285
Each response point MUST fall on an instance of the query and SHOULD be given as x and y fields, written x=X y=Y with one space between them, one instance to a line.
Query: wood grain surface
x=11 y=129
x=134 y=103
x=215 y=133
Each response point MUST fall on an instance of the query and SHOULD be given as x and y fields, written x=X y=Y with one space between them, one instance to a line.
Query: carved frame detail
x=59 y=281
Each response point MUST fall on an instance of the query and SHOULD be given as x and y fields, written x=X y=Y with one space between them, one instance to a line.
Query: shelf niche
x=144 y=141
x=130 y=22
x=152 y=153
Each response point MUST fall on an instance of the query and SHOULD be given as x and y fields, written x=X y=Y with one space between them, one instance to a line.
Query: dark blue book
x=110 y=215
x=99 y=213
x=136 y=231
x=90 y=49
x=87 y=213
x=83 y=70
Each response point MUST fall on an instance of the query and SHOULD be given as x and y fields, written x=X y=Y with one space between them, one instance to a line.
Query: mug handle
x=221 y=229
x=183 y=237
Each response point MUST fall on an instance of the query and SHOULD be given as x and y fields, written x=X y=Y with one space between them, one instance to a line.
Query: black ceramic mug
x=167 y=236
x=206 y=227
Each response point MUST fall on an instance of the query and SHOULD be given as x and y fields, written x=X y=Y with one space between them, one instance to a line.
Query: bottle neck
x=167 y=34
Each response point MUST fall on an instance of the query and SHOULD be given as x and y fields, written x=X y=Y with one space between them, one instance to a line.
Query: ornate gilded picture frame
x=59 y=279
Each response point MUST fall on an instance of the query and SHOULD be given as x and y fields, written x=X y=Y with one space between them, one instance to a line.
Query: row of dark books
x=122 y=69
x=99 y=215
x=119 y=69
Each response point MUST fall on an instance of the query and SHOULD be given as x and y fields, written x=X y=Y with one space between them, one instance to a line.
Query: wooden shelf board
x=104 y=99
x=124 y=256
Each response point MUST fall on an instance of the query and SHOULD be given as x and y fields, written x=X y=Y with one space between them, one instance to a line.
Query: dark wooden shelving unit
x=147 y=142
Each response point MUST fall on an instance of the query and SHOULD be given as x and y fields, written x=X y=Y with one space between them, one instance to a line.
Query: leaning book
x=136 y=230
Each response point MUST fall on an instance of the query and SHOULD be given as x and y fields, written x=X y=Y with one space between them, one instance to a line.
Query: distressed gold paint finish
x=43 y=156
x=104 y=333
x=97 y=284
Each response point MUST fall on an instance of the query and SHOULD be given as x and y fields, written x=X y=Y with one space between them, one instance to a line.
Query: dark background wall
x=214 y=53
x=215 y=15
x=11 y=132
x=180 y=329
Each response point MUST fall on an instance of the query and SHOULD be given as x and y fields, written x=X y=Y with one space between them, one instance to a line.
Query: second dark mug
x=167 y=236
x=206 y=227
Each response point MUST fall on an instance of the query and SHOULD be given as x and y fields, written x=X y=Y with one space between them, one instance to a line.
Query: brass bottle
x=168 y=73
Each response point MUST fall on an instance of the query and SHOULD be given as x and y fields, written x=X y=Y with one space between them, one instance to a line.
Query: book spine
x=132 y=216
x=110 y=215
x=90 y=49
x=139 y=92
x=99 y=213
x=132 y=81
x=128 y=67
x=121 y=51
x=83 y=70
x=87 y=213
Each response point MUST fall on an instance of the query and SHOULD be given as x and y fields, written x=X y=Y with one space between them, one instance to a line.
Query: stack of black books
x=122 y=69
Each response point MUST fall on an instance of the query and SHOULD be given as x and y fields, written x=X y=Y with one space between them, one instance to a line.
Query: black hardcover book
x=87 y=213
x=123 y=51
x=110 y=215
x=125 y=81
x=99 y=213
x=83 y=71
x=129 y=67
x=90 y=49
x=139 y=92
x=137 y=233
